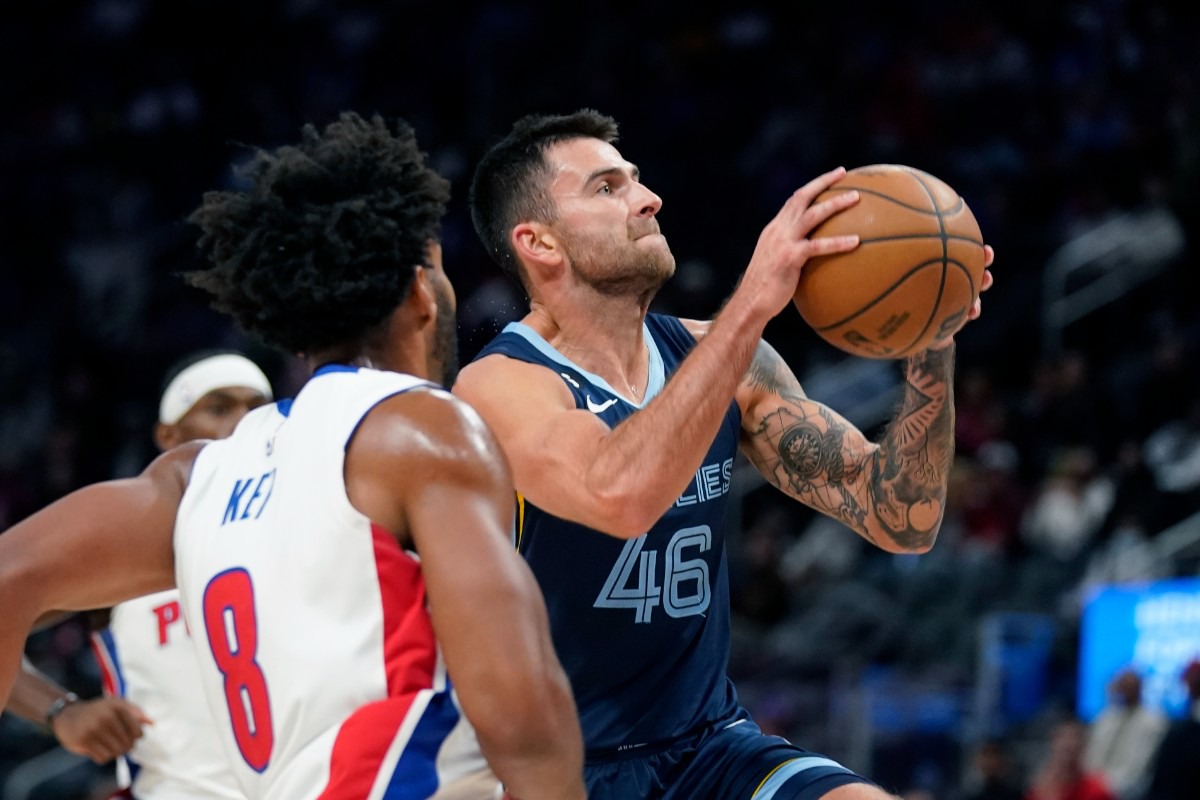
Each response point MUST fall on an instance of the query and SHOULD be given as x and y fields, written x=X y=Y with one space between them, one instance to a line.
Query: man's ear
x=166 y=436
x=421 y=296
x=537 y=247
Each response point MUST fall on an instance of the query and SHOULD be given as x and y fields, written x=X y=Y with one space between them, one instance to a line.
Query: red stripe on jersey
x=360 y=747
x=410 y=657
x=409 y=646
x=108 y=680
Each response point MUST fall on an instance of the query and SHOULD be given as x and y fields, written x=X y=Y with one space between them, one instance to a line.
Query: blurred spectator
x=1123 y=738
x=992 y=774
x=1062 y=775
x=992 y=501
x=1071 y=504
x=1176 y=768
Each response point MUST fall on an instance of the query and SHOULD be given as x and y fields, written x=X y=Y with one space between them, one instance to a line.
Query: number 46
x=642 y=594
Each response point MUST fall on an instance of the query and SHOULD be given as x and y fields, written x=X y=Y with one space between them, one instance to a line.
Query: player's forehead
x=575 y=162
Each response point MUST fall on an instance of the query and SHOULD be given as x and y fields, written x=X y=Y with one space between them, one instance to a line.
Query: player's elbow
x=626 y=513
x=919 y=548
x=625 y=518
x=904 y=542
x=631 y=524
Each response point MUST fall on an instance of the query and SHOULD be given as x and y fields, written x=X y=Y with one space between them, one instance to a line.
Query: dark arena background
x=1070 y=547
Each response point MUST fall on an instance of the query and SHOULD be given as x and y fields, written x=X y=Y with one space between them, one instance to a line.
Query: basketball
x=914 y=275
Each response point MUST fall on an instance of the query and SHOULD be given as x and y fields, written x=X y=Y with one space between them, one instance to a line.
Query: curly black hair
x=510 y=184
x=320 y=250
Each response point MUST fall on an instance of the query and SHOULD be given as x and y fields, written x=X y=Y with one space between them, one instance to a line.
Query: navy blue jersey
x=641 y=625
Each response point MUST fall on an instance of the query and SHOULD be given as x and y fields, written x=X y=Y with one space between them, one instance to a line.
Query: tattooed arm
x=893 y=492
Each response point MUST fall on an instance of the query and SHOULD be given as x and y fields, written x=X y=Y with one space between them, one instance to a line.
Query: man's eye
x=605 y=188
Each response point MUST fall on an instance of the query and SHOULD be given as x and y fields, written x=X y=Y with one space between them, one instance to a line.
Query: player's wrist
x=60 y=704
x=941 y=344
x=741 y=316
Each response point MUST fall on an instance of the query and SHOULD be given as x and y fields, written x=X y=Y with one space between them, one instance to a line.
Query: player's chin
x=664 y=267
x=655 y=241
x=656 y=255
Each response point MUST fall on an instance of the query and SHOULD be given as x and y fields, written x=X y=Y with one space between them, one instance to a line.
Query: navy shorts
x=735 y=762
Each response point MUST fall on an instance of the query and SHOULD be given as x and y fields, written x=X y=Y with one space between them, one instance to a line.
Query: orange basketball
x=913 y=277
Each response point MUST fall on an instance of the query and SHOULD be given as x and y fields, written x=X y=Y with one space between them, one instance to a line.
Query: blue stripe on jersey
x=658 y=374
x=134 y=769
x=790 y=769
x=641 y=626
x=110 y=647
x=284 y=407
x=334 y=368
x=415 y=776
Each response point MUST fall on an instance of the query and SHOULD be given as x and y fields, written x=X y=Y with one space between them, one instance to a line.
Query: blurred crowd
x=1078 y=444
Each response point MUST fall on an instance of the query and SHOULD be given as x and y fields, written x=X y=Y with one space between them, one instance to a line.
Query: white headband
x=217 y=372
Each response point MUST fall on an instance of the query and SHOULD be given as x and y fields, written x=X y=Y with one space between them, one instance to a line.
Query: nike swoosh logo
x=595 y=407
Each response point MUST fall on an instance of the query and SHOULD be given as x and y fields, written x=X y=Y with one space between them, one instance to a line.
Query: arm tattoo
x=897 y=489
x=768 y=374
x=801 y=447
x=813 y=462
x=912 y=465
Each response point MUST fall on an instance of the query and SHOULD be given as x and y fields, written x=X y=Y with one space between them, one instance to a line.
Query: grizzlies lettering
x=711 y=482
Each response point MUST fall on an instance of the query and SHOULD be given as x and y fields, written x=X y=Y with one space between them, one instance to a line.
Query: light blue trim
x=658 y=372
x=789 y=770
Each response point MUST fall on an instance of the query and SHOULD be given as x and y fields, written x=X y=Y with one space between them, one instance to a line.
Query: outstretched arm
x=101 y=729
x=92 y=549
x=892 y=493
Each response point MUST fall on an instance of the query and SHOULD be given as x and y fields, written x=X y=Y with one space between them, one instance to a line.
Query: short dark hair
x=320 y=250
x=509 y=184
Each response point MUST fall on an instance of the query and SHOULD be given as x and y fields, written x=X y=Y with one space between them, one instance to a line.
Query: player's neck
x=394 y=347
x=602 y=335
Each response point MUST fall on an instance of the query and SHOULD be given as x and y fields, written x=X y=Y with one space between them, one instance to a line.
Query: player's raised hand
x=784 y=245
x=100 y=729
x=989 y=255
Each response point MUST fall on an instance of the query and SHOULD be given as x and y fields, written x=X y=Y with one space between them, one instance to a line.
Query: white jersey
x=146 y=656
x=317 y=652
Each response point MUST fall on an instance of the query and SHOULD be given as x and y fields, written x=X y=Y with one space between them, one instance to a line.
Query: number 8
x=232 y=628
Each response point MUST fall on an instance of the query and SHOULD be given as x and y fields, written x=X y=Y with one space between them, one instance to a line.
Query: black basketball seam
x=945 y=256
x=966 y=273
x=880 y=297
x=944 y=237
x=890 y=199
